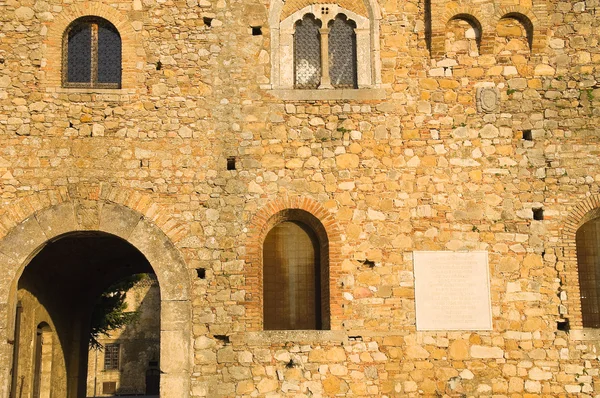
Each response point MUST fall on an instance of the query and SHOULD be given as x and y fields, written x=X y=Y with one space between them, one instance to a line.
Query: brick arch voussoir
x=514 y=9
x=583 y=212
x=17 y=212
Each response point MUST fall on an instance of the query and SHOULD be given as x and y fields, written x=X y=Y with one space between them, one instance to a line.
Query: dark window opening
x=207 y=21
x=256 y=31
x=231 y=163
x=538 y=214
x=92 y=54
x=527 y=136
x=201 y=272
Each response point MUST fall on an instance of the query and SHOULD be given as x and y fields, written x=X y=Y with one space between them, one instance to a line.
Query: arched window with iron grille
x=91 y=54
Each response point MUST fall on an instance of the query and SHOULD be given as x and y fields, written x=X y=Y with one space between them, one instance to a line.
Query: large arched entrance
x=56 y=268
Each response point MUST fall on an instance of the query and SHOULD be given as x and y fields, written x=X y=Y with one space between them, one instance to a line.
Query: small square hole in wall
x=256 y=31
x=538 y=214
x=563 y=325
x=207 y=21
x=527 y=136
x=201 y=272
x=231 y=163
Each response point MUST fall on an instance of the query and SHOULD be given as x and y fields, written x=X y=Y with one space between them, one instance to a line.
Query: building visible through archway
x=57 y=293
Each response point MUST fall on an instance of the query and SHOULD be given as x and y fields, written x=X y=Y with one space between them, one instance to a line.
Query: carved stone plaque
x=452 y=291
x=488 y=99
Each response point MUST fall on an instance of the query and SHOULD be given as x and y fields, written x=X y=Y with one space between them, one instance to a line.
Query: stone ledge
x=269 y=337
x=586 y=334
x=325 y=95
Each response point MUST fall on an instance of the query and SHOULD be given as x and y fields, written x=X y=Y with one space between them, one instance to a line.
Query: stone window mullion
x=325 y=78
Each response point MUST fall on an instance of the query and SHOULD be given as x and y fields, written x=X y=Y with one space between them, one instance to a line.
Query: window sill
x=586 y=334
x=325 y=95
x=268 y=337
x=97 y=94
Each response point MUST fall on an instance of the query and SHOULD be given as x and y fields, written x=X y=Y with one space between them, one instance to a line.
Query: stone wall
x=424 y=168
x=139 y=343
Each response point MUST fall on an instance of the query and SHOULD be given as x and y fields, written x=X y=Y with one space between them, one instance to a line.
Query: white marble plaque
x=452 y=291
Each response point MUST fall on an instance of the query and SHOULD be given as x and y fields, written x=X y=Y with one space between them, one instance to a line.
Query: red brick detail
x=17 y=212
x=585 y=211
x=322 y=222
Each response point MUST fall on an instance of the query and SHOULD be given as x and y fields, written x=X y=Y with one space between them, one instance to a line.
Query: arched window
x=307 y=52
x=342 y=52
x=325 y=50
x=588 y=263
x=293 y=269
x=92 y=54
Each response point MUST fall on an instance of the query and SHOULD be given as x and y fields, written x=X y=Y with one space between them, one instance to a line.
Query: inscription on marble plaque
x=452 y=291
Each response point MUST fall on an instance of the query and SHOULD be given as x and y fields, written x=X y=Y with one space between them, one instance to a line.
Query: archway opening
x=58 y=292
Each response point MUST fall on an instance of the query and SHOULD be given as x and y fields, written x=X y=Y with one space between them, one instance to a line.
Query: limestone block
x=174 y=385
x=165 y=261
x=175 y=315
x=117 y=220
x=478 y=351
x=23 y=241
x=175 y=351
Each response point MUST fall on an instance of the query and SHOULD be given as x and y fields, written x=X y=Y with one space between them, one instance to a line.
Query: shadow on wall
x=127 y=363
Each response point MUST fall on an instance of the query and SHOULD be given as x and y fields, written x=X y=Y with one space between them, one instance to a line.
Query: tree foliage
x=110 y=311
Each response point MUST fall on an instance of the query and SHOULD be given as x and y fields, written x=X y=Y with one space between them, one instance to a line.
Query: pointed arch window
x=92 y=54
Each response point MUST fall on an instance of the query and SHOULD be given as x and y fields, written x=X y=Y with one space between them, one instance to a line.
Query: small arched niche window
x=295 y=275
x=588 y=264
x=463 y=36
x=91 y=54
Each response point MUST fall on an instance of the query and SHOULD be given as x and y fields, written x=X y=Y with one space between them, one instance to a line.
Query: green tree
x=110 y=311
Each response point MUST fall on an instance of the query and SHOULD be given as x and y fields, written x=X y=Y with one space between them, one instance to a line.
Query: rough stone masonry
x=473 y=126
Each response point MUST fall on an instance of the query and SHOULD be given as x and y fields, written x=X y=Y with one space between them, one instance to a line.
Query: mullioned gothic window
x=325 y=46
x=325 y=57
x=91 y=54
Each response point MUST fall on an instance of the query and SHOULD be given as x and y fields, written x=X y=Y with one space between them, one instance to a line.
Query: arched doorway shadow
x=20 y=247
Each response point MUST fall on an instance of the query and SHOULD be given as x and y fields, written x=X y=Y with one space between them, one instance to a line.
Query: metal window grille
x=342 y=53
x=291 y=287
x=588 y=263
x=92 y=54
x=111 y=356
x=307 y=53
